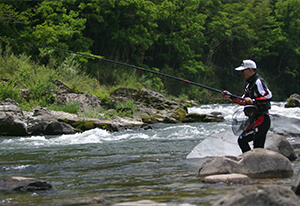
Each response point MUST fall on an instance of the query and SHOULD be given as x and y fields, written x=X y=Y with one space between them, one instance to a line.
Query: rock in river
x=259 y=195
x=23 y=184
x=257 y=163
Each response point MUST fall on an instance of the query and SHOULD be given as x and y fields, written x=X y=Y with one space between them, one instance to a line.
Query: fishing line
x=127 y=65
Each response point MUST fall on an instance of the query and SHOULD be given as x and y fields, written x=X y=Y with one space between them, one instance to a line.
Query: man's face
x=247 y=73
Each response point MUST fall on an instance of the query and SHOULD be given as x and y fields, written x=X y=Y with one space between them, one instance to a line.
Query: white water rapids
x=123 y=166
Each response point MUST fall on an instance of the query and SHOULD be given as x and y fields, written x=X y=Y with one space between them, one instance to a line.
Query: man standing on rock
x=259 y=96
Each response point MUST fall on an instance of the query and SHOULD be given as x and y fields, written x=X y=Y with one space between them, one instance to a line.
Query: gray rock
x=257 y=163
x=152 y=106
x=37 y=128
x=285 y=125
x=225 y=143
x=195 y=117
x=25 y=94
x=149 y=203
x=259 y=195
x=93 y=201
x=228 y=179
x=279 y=143
x=44 y=121
x=12 y=119
x=296 y=184
x=84 y=100
x=23 y=184
x=64 y=95
x=293 y=101
x=58 y=128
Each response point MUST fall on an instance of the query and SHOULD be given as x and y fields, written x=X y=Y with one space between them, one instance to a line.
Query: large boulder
x=259 y=195
x=84 y=100
x=12 y=119
x=257 y=163
x=152 y=106
x=23 y=184
x=217 y=144
x=58 y=128
x=280 y=144
x=285 y=125
x=65 y=95
x=44 y=121
x=293 y=101
x=225 y=143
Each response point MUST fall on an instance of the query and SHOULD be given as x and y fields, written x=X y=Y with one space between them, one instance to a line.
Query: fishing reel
x=250 y=110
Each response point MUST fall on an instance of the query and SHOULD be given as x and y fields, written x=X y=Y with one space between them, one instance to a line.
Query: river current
x=120 y=166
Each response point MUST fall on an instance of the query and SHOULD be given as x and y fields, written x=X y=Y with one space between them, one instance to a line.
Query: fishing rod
x=129 y=65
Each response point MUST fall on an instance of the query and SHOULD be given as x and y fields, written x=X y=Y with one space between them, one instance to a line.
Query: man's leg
x=244 y=139
x=261 y=132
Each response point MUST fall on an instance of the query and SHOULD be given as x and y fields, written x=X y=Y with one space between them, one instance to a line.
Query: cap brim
x=241 y=68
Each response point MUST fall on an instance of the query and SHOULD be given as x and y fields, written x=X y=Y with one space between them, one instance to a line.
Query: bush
x=8 y=91
x=69 y=107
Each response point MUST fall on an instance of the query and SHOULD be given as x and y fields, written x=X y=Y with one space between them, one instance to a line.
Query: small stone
x=228 y=179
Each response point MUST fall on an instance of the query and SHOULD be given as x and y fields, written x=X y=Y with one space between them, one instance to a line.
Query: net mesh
x=239 y=121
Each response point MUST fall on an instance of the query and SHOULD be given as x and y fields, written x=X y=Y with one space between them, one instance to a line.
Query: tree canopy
x=199 y=40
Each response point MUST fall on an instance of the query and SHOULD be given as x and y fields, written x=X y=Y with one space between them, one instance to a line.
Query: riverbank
x=149 y=108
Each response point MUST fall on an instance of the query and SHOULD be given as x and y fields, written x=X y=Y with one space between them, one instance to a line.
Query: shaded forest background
x=199 y=40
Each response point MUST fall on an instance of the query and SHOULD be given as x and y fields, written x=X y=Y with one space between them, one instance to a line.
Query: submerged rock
x=228 y=179
x=23 y=184
x=93 y=201
x=149 y=203
x=257 y=163
x=253 y=195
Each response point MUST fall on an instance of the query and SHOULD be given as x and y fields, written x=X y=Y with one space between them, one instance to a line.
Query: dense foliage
x=199 y=40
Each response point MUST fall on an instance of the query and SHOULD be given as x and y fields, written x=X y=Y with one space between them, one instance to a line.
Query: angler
x=256 y=97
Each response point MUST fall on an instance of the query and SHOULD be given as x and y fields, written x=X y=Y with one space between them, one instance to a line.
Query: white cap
x=247 y=63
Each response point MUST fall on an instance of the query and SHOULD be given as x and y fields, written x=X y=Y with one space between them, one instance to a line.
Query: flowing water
x=120 y=166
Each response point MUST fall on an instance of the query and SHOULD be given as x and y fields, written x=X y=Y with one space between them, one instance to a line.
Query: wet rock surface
x=23 y=184
x=252 y=195
x=256 y=163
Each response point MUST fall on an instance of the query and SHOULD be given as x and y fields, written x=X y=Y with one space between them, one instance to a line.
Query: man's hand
x=248 y=100
x=225 y=94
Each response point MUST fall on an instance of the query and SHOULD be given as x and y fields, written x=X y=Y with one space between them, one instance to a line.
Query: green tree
x=286 y=70
x=58 y=24
x=178 y=49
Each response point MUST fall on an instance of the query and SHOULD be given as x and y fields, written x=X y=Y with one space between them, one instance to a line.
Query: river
x=120 y=166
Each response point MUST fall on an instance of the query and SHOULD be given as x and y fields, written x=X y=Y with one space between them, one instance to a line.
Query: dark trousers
x=256 y=132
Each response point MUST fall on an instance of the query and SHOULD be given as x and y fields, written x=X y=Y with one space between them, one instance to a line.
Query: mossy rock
x=181 y=112
x=84 y=125
x=149 y=119
x=293 y=101
x=195 y=117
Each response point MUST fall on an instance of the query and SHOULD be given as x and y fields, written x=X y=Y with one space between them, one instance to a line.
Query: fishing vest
x=257 y=90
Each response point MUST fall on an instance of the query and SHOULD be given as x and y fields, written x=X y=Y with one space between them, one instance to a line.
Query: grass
x=21 y=72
